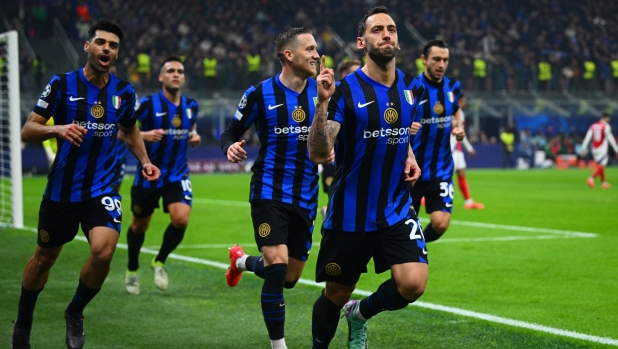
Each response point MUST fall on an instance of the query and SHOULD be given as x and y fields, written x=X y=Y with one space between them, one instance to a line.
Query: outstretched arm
x=323 y=132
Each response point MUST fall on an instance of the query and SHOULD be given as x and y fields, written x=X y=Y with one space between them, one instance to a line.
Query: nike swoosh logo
x=364 y=105
x=116 y=220
x=423 y=102
x=188 y=198
x=282 y=305
x=424 y=251
x=160 y=114
x=75 y=99
x=271 y=107
x=449 y=205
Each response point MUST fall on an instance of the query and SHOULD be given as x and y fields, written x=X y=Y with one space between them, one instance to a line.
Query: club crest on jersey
x=451 y=97
x=116 y=100
x=97 y=110
x=189 y=113
x=176 y=121
x=315 y=101
x=409 y=96
x=298 y=114
x=438 y=108
x=391 y=115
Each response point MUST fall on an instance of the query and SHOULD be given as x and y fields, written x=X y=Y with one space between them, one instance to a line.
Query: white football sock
x=278 y=344
x=240 y=262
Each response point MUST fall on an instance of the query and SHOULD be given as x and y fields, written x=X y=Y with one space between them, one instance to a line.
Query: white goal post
x=11 y=200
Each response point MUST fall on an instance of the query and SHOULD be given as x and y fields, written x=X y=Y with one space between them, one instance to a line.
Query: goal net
x=11 y=204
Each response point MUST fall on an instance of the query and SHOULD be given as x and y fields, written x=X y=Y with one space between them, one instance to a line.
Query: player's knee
x=412 y=289
x=102 y=256
x=338 y=294
x=180 y=222
x=45 y=261
x=440 y=226
x=139 y=227
x=290 y=284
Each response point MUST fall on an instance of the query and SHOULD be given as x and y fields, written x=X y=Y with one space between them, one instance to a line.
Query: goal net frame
x=10 y=110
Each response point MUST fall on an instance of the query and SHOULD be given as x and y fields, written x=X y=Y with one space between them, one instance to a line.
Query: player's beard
x=93 y=61
x=381 y=57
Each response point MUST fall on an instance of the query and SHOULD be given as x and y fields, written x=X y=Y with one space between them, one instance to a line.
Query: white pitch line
x=437 y=307
x=453 y=222
x=445 y=240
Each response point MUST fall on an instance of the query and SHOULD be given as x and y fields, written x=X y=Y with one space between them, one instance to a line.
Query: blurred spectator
x=508 y=145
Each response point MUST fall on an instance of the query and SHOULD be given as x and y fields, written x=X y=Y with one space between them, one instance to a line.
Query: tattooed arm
x=323 y=132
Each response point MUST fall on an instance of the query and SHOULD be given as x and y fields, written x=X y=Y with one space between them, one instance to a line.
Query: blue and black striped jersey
x=368 y=192
x=84 y=172
x=282 y=171
x=432 y=144
x=170 y=153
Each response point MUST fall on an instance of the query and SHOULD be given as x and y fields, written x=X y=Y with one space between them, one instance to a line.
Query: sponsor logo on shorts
x=264 y=230
x=44 y=235
x=137 y=209
x=333 y=269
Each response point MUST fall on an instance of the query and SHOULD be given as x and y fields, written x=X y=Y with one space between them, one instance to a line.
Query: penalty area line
x=437 y=307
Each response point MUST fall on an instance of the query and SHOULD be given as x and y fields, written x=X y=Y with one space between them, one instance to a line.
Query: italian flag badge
x=409 y=96
x=451 y=97
x=116 y=101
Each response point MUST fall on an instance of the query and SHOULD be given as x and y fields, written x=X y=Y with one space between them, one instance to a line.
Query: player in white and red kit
x=599 y=135
x=460 y=162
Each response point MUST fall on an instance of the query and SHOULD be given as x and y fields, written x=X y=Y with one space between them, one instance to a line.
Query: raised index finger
x=323 y=64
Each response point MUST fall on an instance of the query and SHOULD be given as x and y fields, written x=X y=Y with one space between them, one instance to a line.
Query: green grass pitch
x=542 y=254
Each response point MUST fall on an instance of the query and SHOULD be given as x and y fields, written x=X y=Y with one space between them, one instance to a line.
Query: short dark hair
x=605 y=115
x=362 y=25
x=171 y=59
x=106 y=25
x=287 y=37
x=345 y=65
x=462 y=95
x=432 y=43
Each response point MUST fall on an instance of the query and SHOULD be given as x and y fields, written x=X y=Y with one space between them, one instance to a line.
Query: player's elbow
x=26 y=135
x=317 y=158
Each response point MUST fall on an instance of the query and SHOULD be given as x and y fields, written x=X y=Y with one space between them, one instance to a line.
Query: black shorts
x=344 y=256
x=276 y=223
x=328 y=174
x=59 y=221
x=145 y=200
x=438 y=193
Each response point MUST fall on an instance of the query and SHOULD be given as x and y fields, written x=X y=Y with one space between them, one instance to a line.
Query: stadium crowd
x=496 y=45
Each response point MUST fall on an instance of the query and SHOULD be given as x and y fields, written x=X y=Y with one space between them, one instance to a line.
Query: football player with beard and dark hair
x=89 y=106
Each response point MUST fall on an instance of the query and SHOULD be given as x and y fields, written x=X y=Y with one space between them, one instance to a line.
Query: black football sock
x=27 y=302
x=171 y=239
x=134 y=244
x=430 y=234
x=256 y=265
x=273 y=304
x=325 y=318
x=387 y=297
x=83 y=296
